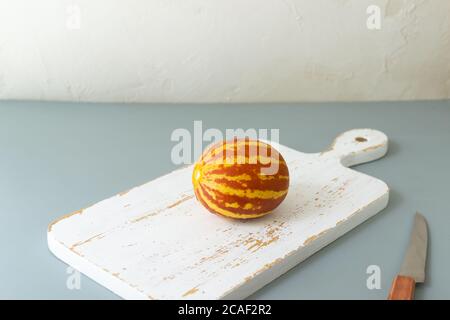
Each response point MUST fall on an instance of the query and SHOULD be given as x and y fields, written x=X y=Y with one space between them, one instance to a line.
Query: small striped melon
x=241 y=178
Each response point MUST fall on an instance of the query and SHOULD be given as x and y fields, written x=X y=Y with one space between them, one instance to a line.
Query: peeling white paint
x=224 y=51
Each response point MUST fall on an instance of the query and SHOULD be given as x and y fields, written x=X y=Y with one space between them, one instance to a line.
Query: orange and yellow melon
x=241 y=178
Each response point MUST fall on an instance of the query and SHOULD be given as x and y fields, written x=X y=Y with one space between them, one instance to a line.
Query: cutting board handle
x=358 y=146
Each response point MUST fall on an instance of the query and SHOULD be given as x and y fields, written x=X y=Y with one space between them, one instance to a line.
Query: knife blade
x=416 y=255
x=412 y=270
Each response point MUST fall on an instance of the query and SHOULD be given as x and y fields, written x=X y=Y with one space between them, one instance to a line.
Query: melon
x=241 y=178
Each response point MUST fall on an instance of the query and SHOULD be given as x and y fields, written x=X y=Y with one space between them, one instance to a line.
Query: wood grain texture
x=157 y=242
x=402 y=288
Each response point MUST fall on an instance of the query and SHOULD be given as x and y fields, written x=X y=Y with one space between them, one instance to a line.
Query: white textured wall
x=224 y=50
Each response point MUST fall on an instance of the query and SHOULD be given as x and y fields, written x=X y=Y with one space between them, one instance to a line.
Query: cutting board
x=156 y=241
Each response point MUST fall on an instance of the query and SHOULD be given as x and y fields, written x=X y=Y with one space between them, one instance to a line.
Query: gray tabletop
x=58 y=157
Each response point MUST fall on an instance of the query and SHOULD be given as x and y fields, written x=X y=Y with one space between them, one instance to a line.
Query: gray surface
x=58 y=157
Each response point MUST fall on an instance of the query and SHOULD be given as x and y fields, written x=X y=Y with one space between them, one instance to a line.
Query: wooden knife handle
x=402 y=288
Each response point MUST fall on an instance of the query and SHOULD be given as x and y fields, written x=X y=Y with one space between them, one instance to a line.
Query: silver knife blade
x=416 y=255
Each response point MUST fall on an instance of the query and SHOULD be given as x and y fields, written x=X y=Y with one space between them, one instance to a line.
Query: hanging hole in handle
x=358 y=146
x=360 y=139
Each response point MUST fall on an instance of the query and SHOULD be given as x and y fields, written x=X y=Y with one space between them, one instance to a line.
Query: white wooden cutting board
x=157 y=242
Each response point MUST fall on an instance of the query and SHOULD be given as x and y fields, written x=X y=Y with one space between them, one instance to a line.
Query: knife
x=413 y=266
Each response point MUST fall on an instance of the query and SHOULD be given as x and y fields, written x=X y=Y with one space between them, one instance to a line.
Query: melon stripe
x=236 y=207
x=249 y=193
x=216 y=209
x=240 y=177
x=254 y=184
x=223 y=147
x=218 y=196
x=237 y=169
x=242 y=204
x=243 y=160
